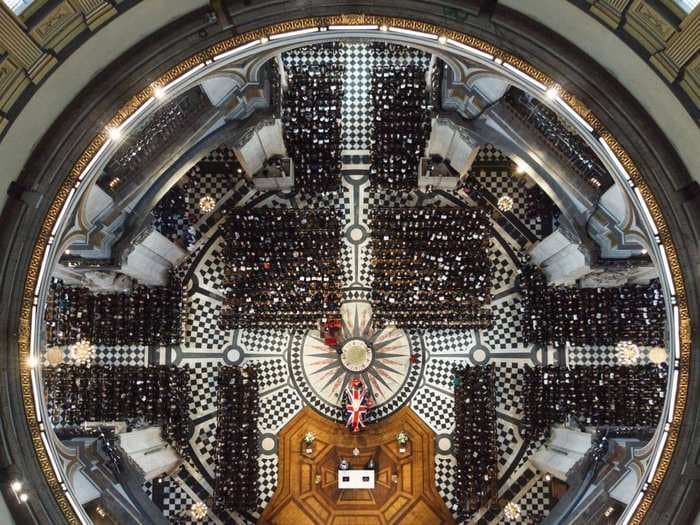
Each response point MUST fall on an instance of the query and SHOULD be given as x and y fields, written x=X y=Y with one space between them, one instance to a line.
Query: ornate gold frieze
x=137 y=100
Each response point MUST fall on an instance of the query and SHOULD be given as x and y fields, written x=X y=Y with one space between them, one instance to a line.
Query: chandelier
x=627 y=352
x=83 y=352
x=207 y=204
x=512 y=511
x=198 y=511
x=505 y=203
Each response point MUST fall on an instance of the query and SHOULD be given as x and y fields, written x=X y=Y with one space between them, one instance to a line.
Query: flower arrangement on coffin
x=309 y=439
x=402 y=439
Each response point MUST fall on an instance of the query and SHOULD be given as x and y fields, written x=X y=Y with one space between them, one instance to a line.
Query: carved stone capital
x=691 y=80
x=681 y=48
x=21 y=47
x=96 y=12
x=13 y=80
x=646 y=25
x=610 y=11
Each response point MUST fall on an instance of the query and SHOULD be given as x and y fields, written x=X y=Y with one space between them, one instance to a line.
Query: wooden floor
x=404 y=491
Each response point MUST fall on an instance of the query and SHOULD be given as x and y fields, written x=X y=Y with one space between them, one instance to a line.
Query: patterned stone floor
x=359 y=60
x=285 y=387
x=278 y=353
x=289 y=377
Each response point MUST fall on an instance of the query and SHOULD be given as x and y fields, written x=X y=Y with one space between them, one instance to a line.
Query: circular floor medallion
x=356 y=234
x=380 y=358
x=356 y=355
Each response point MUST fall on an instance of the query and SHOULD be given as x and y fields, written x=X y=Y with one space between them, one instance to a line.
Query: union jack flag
x=356 y=394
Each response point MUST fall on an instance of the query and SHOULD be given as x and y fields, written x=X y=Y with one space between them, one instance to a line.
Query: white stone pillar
x=259 y=144
x=151 y=259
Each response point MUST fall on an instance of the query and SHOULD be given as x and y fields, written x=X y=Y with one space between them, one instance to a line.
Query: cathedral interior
x=349 y=262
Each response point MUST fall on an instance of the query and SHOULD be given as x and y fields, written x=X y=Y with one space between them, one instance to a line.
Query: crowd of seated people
x=400 y=124
x=312 y=120
x=282 y=267
x=539 y=205
x=568 y=143
x=173 y=218
x=148 y=315
x=603 y=395
x=474 y=437
x=178 y=213
x=238 y=409
x=431 y=267
x=275 y=88
x=590 y=316
x=158 y=395
x=437 y=75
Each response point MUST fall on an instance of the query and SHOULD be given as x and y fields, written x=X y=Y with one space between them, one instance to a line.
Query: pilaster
x=21 y=48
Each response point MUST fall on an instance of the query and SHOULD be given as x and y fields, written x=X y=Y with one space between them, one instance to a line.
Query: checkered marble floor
x=534 y=502
x=213 y=176
x=600 y=355
x=357 y=105
x=283 y=390
x=109 y=355
x=359 y=59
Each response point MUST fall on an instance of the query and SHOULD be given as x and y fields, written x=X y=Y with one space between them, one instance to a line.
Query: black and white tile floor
x=284 y=391
x=359 y=60
x=285 y=385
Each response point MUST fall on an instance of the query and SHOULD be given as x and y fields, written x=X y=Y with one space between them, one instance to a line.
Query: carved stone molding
x=13 y=81
x=648 y=26
x=96 y=12
x=20 y=46
x=681 y=47
x=610 y=11
x=691 y=80
x=671 y=37
x=59 y=27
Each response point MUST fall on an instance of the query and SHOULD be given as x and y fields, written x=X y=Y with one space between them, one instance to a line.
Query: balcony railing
x=563 y=139
x=162 y=129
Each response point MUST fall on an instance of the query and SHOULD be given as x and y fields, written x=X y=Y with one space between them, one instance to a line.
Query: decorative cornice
x=42 y=240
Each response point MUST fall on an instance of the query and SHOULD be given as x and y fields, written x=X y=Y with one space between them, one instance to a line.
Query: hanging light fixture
x=627 y=352
x=207 y=204
x=512 y=511
x=83 y=352
x=505 y=203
